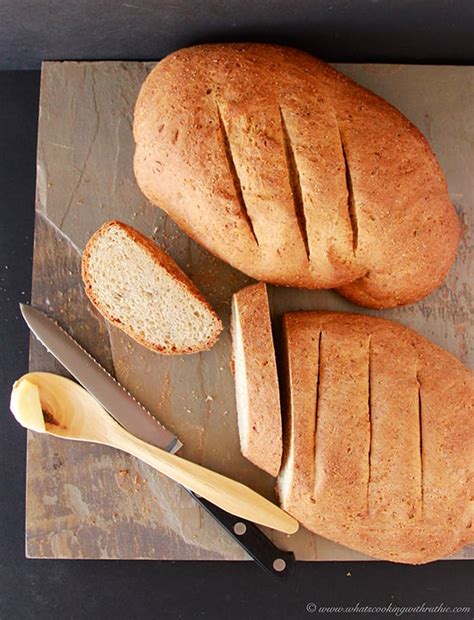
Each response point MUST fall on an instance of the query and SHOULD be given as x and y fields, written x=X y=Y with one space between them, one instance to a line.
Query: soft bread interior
x=137 y=291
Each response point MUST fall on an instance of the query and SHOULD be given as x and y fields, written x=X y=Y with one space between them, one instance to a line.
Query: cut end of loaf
x=140 y=290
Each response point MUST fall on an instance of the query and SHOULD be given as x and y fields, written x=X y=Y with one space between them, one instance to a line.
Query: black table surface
x=134 y=589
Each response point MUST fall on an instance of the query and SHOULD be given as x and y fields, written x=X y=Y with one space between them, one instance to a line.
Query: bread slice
x=256 y=379
x=138 y=288
x=380 y=440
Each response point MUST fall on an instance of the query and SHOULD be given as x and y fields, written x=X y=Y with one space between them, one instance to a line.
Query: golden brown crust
x=161 y=258
x=389 y=467
x=257 y=389
x=293 y=173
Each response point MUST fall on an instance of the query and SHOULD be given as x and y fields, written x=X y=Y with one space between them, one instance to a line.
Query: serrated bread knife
x=139 y=422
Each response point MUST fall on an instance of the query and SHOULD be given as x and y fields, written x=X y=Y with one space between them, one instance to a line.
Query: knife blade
x=115 y=399
x=135 y=418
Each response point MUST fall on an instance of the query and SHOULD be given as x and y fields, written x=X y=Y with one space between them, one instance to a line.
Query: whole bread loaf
x=293 y=173
x=379 y=437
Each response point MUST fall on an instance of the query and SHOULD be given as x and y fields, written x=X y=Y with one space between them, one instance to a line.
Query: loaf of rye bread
x=379 y=437
x=293 y=173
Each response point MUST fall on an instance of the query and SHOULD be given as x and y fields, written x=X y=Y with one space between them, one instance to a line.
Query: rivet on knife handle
x=268 y=556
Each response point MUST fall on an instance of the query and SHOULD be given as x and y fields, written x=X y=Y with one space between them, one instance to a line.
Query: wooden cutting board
x=86 y=501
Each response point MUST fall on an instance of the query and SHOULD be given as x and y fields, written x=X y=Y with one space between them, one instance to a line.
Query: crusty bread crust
x=162 y=259
x=255 y=372
x=379 y=452
x=293 y=173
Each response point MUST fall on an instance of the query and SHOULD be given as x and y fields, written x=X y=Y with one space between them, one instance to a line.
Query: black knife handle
x=279 y=563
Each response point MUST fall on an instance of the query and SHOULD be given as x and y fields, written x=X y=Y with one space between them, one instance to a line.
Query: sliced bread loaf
x=379 y=445
x=138 y=288
x=256 y=379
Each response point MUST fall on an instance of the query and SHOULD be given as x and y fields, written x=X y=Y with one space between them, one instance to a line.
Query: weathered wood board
x=86 y=501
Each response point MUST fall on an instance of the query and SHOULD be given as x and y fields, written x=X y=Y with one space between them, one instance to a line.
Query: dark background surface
x=400 y=31
x=435 y=31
